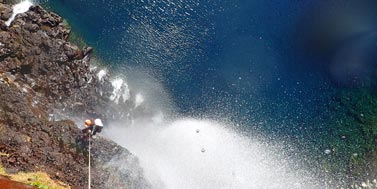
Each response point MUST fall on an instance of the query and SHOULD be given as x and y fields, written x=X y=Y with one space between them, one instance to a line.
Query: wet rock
x=31 y=27
x=118 y=165
x=87 y=50
x=71 y=51
x=5 y=11
x=10 y=2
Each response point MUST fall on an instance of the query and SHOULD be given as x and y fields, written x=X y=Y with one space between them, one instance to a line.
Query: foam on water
x=92 y=68
x=120 y=90
x=101 y=74
x=201 y=154
x=21 y=7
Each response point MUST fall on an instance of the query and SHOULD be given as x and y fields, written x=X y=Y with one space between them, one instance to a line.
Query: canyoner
x=92 y=127
x=90 y=130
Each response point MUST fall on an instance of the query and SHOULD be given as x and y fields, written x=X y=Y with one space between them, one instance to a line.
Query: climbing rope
x=89 y=174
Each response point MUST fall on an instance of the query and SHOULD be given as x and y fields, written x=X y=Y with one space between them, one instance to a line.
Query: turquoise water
x=235 y=55
x=273 y=66
x=272 y=62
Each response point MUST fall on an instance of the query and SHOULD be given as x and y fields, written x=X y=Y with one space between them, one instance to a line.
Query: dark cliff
x=42 y=75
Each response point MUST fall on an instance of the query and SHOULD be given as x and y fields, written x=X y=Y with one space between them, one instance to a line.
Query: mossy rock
x=38 y=179
x=77 y=39
x=352 y=132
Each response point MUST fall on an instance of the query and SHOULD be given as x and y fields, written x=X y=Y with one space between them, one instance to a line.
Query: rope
x=89 y=184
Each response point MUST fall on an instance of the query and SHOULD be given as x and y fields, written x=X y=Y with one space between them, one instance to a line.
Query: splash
x=121 y=90
x=101 y=74
x=139 y=99
x=19 y=8
x=191 y=153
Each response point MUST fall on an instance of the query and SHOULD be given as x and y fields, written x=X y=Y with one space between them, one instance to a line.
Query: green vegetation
x=2 y=170
x=352 y=135
x=38 y=179
x=77 y=39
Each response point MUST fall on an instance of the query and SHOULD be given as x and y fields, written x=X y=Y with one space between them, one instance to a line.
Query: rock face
x=115 y=166
x=36 y=52
x=42 y=74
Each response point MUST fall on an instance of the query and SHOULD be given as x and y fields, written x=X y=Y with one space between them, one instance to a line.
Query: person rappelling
x=92 y=127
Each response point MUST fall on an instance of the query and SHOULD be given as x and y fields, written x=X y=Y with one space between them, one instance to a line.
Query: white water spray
x=101 y=74
x=139 y=99
x=202 y=154
x=197 y=154
x=19 y=8
x=120 y=90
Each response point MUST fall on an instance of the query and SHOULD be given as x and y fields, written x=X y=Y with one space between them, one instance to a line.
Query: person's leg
x=86 y=134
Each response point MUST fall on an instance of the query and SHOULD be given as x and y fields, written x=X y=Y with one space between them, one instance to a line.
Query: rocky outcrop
x=41 y=75
x=32 y=143
x=115 y=167
x=5 y=12
x=36 y=52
